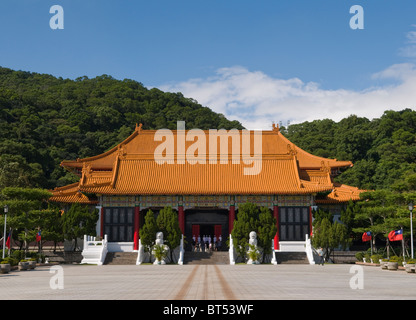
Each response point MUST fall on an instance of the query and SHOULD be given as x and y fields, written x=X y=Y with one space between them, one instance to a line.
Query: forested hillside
x=44 y=120
x=383 y=150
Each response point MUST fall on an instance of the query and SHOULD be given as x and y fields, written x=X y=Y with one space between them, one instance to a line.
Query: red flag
x=38 y=237
x=8 y=240
x=396 y=235
x=366 y=236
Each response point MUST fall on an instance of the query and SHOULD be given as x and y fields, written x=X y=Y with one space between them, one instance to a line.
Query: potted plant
x=253 y=255
x=23 y=265
x=160 y=252
x=410 y=265
x=384 y=263
x=32 y=263
x=360 y=256
x=375 y=258
x=393 y=263
x=5 y=266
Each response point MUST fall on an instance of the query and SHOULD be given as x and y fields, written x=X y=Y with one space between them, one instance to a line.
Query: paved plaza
x=208 y=282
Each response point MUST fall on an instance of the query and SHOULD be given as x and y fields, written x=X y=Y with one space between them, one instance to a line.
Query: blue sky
x=253 y=61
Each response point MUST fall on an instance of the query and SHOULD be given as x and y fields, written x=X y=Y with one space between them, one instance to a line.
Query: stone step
x=121 y=258
x=215 y=257
x=292 y=258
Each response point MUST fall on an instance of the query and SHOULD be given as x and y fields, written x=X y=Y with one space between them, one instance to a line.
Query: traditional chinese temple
x=127 y=181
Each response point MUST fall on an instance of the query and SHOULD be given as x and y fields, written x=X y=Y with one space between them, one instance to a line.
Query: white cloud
x=409 y=51
x=400 y=71
x=257 y=100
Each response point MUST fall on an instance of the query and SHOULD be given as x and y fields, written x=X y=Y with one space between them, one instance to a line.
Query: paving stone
x=209 y=282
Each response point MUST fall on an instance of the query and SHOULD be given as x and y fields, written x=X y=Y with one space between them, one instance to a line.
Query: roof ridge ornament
x=291 y=150
x=86 y=169
x=325 y=167
x=85 y=172
x=139 y=127
x=275 y=127
x=121 y=151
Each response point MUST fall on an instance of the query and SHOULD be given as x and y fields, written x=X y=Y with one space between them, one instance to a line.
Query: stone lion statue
x=253 y=238
x=253 y=252
x=160 y=249
x=159 y=238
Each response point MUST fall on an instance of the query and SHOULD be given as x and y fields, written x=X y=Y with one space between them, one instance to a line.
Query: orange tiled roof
x=321 y=176
x=69 y=194
x=130 y=168
x=341 y=193
x=145 y=177
x=142 y=142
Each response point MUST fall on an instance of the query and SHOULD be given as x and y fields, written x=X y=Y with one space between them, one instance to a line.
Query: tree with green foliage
x=382 y=211
x=383 y=150
x=375 y=211
x=148 y=230
x=167 y=222
x=44 y=120
x=245 y=222
x=348 y=215
x=251 y=217
x=25 y=208
x=328 y=234
x=266 y=230
x=79 y=221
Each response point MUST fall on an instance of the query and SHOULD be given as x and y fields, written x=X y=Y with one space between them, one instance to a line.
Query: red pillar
x=181 y=218
x=276 y=216
x=136 y=227
x=231 y=218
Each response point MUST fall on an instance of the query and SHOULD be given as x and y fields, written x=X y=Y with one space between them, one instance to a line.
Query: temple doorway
x=209 y=223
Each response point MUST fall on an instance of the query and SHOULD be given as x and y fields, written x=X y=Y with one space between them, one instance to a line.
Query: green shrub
x=376 y=257
x=18 y=254
x=359 y=256
x=10 y=260
x=159 y=252
x=411 y=261
x=394 y=259
x=253 y=253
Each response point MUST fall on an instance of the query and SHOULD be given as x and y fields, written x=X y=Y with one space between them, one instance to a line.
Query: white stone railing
x=94 y=251
x=181 y=252
x=309 y=250
x=140 y=253
x=231 y=251
x=274 y=261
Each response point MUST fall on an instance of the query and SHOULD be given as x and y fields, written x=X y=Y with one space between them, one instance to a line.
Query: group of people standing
x=206 y=243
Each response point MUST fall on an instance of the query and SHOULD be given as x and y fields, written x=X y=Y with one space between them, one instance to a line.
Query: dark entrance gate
x=208 y=222
x=293 y=223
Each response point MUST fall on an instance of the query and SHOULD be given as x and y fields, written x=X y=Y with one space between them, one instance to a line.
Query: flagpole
x=403 y=245
x=6 y=209
x=411 y=228
x=371 y=242
x=10 y=243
